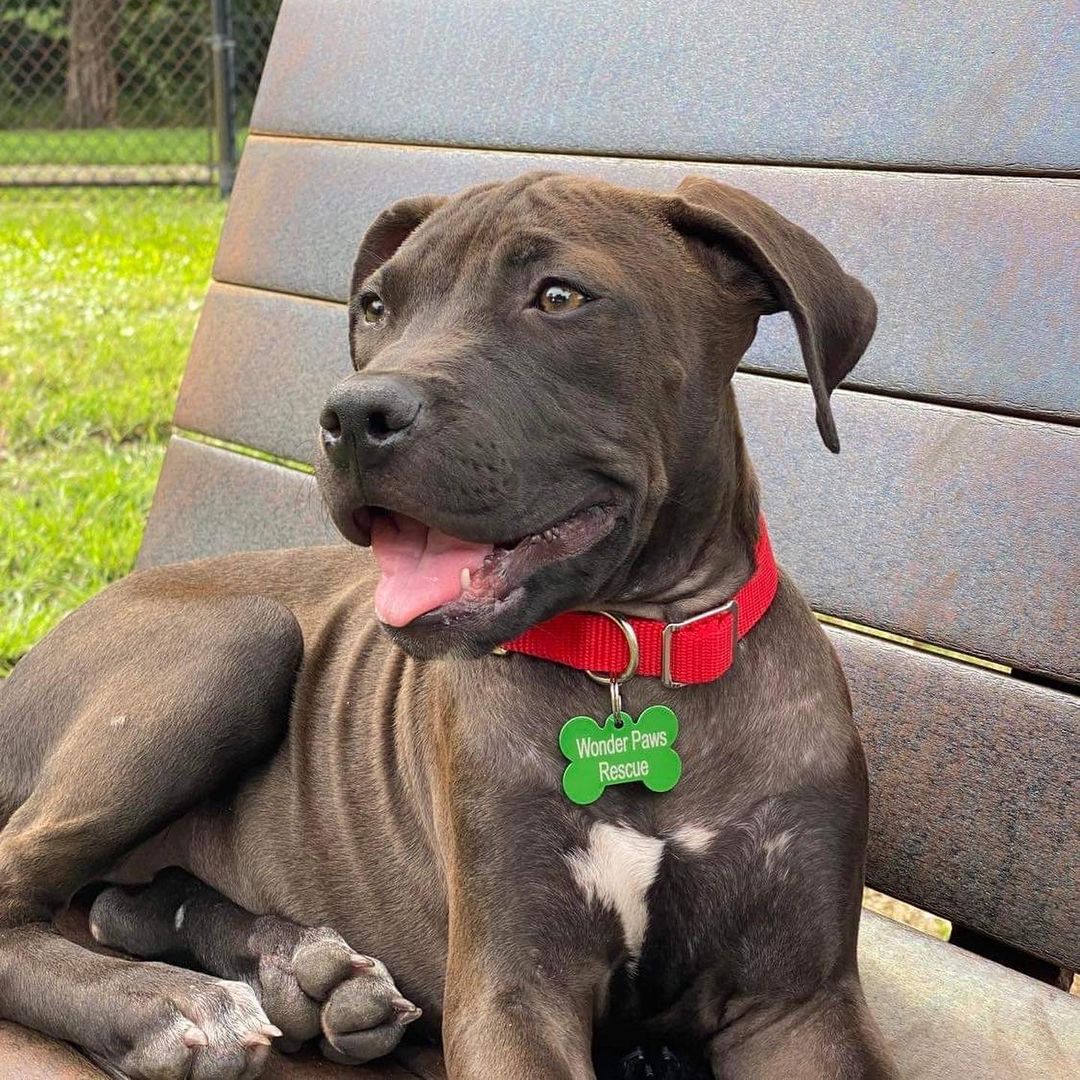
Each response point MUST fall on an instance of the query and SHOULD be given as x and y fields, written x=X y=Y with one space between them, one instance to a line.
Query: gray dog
x=540 y=422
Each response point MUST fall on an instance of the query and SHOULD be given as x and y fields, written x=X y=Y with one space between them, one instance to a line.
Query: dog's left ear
x=386 y=234
x=834 y=313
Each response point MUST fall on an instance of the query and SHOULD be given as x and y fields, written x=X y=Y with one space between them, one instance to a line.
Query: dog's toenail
x=406 y=1010
x=255 y=1038
x=272 y=1030
x=361 y=963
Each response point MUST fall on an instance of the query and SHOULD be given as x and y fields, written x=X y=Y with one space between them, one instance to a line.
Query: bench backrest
x=928 y=151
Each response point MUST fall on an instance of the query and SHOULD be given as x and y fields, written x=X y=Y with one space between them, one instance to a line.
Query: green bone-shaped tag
x=633 y=750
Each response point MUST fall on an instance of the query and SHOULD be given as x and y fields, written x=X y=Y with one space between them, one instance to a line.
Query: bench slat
x=210 y=501
x=260 y=368
x=958 y=527
x=949 y=526
x=975 y=276
x=934 y=85
x=947 y=1013
x=974 y=819
x=972 y=816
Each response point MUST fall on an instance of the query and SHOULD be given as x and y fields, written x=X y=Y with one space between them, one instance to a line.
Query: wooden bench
x=929 y=151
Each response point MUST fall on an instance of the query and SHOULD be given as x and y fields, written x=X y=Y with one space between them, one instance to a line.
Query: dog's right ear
x=834 y=313
x=386 y=234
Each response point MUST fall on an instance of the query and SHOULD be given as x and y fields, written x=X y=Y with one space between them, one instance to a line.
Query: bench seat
x=941 y=1009
x=942 y=175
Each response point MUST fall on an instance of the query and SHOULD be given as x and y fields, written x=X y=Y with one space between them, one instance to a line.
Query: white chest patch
x=615 y=870
x=693 y=838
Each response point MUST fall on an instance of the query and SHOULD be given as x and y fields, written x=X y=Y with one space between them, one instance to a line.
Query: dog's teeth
x=466 y=579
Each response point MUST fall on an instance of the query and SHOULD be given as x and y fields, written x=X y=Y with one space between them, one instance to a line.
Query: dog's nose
x=370 y=418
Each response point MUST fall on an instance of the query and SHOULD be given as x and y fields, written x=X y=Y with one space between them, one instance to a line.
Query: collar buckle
x=668 y=635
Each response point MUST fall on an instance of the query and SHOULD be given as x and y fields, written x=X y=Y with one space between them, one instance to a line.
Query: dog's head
x=539 y=366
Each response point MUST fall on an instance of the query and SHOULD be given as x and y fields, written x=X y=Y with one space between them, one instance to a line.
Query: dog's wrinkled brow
x=391 y=280
x=522 y=250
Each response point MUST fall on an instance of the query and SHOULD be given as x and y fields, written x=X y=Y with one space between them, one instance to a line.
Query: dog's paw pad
x=322 y=964
x=311 y=980
x=365 y=1018
x=297 y=969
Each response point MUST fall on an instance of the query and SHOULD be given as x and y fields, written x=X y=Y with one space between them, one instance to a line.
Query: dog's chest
x=620 y=868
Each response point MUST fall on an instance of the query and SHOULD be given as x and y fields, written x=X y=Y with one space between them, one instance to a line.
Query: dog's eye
x=556 y=297
x=373 y=308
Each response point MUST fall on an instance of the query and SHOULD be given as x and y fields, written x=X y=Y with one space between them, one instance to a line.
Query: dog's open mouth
x=424 y=571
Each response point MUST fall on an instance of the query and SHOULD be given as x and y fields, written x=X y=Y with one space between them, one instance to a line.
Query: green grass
x=98 y=302
x=108 y=146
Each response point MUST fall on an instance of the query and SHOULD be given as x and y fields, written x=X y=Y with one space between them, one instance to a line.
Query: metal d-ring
x=628 y=672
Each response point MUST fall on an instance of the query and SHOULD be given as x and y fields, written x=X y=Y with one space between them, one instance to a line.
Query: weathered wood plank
x=974 y=793
x=940 y=1007
x=976 y=277
x=946 y=525
x=210 y=502
x=28 y=1055
x=930 y=85
x=260 y=368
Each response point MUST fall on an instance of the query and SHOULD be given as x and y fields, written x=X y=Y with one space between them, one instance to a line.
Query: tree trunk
x=91 y=76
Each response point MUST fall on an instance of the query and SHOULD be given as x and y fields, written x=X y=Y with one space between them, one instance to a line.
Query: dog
x=340 y=789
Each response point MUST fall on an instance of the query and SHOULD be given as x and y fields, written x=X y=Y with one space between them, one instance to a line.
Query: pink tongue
x=420 y=567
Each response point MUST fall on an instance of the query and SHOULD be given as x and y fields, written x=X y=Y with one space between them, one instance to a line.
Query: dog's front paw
x=311 y=981
x=171 y=1024
x=365 y=1017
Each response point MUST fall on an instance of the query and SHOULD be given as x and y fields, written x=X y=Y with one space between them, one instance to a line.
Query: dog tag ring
x=616 y=697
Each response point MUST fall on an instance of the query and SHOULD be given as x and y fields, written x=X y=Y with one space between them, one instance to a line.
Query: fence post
x=222 y=55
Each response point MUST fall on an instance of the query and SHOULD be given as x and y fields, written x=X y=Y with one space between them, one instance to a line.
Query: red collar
x=696 y=650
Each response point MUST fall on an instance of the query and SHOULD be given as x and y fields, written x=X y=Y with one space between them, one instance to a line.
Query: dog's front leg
x=829 y=1035
x=527 y=968
x=508 y=1016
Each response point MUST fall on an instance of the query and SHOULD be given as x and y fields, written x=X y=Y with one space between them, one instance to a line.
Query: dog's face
x=536 y=363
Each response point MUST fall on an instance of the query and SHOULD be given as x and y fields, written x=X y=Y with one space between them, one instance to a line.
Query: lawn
x=99 y=294
x=106 y=146
x=109 y=146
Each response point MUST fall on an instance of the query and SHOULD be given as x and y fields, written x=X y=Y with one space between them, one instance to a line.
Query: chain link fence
x=105 y=92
